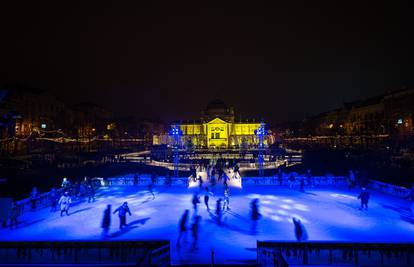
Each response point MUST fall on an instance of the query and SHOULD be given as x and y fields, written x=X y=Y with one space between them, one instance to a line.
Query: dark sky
x=279 y=62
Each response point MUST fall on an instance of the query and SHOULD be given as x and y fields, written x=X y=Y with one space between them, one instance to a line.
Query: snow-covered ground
x=327 y=213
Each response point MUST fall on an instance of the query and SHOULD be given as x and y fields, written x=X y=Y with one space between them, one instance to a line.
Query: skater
x=195 y=201
x=194 y=231
x=255 y=214
x=183 y=228
x=153 y=179
x=91 y=193
x=122 y=211
x=15 y=212
x=300 y=231
x=226 y=205
x=106 y=221
x=34 y=196
x=219 y=211
x=207 y=195
x=64 y=203
x=364 y=197
x=150 y=190
x=65 y=184
x=53 y=197
x=200 y=182
x=236 y=171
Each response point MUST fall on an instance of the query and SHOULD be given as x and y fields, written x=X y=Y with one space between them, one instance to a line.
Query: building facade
x=216 y=129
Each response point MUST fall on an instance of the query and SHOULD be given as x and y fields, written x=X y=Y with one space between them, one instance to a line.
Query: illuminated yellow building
x=218 y=129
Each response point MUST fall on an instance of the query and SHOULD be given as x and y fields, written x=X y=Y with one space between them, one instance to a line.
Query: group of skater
x=122 y=211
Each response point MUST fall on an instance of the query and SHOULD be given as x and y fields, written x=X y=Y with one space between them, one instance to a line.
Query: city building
x=29 y=111
x=217 y=128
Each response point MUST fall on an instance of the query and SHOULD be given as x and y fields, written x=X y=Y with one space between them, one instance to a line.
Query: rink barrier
x=395 y=190
x=323 y=253
x=133 y=253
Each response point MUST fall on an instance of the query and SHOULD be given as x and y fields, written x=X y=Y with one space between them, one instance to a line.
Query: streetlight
x=260 y=133
x=176 y=133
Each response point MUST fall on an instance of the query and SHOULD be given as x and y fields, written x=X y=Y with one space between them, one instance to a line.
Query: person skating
x=106 y=221
x=151 y=191
x=53 y=197
x=207 y=196
x=15 y=212
x=255 y=214
x=300 y=231
x=34 y=196
x=64 y=203
x=91 y=193
x=183 y=228
x=364 y=197
x=195 y=201
x=194 y=230
x=226 y=205
x=122 y=212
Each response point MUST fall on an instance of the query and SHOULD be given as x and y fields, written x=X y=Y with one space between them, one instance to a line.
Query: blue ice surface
x=328 y=213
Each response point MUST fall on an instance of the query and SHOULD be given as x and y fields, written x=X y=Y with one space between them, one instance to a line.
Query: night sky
x=167 y=61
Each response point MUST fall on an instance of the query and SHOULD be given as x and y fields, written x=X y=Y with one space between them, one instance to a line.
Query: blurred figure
x=255 y=214
x=122 y=212
x=219 y=211
x=183 y=228
x=226 y=205
x=91 y=193
x=15 y=212
x=207 y=196
x=106 y=221
x=300 y=231
x=200 y=182
x=64 y=203
x=195 y=201
x=194 y=230
x=53 y=197
x=364 y=197
x=34 y=196
x=65 y=184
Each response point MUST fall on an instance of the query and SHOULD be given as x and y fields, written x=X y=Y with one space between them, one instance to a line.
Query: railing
x=135 y=253
x=390 y=189
x=144 y=180
x=287 y=181
x=334 y=253
x=44 y=200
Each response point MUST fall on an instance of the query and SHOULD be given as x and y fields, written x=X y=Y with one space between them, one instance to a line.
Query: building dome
x=215 y=106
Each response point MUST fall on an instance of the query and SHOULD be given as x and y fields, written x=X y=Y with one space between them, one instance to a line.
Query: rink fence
x=133 y=253
x=321 y=253
x=44 y=199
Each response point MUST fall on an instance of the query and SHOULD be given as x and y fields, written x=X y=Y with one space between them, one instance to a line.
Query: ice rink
x=327 y=213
